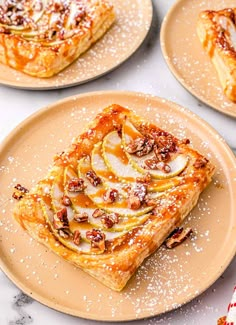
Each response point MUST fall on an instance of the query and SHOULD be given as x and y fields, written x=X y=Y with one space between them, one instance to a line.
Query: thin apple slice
x=110 y=180
x=96 y=194
x=177 y=164
x=116 y=159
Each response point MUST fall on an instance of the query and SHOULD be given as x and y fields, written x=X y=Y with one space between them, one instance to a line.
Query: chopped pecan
x=60 y=219
x=177 y=237
x=110 y=219
x=65 y=200
x=98 y=213
x=97 y=239
x=76 y=185
x=140 y=146
x=162 y=154
x=81 y=217
x=149 y=201
x=185 y=141
x=166 y=141
x=20 y=192
x=110 y=195
x=200 y=162
x=136 y=196
x=93 y=178
x=154 y=164
x=221 y=320
x=146 y=179
x=76 y=237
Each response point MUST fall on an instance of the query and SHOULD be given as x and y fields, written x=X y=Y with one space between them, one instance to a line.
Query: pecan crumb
x=81 y=217
x=98 y=213
x=76 y=237
x=76 y=185
x=60 y=219
x=97 y=239
x=200 y=162
x=178 y=236
x=110 y=219
x=20 y=192
x=93 y=178
x=137 y=196
x=145 y=179
x=110 y=195
x=221 y=320
x=65 y=200
x=154 y=164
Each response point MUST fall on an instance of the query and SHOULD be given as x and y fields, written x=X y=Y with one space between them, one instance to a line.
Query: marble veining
x=20 y=302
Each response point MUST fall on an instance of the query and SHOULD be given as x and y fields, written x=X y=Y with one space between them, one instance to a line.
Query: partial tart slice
x=100 y=210
x=217 y=33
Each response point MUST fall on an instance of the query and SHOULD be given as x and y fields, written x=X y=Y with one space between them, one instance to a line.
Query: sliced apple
x=177 y=164
x=96 y=194
x=116 y=159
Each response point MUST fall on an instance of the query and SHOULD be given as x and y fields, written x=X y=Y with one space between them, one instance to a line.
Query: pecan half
x=65 y=200
x=20 y=192
x=136 y=196
x=81 y=217
x=76 y=185
x=200 y=162
x=76 y=237
x=98 y=213
x=60 y=219
x=110 y=195
x=110 y=219
x=97 y=239
x=93 y=178
x=178 y=236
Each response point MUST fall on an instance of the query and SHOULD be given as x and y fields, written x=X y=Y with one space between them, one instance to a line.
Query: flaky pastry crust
x=121 y=257
x=217 y=33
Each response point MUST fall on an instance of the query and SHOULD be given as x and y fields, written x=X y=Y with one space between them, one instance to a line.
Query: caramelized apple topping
x=200 y=162
x=20 y=192
x=60 y=219
x=93 y=178
x=178 y=236
x=110 y=219
x=137 y=196
x=76 y=185
x=97 y=239
x=140 y=146
x=76 y=237
x=66 y=200
x=110 y=195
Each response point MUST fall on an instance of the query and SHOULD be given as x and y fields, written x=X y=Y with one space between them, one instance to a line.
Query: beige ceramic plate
x=169 y=278
x=185 y=56
x=117 y=45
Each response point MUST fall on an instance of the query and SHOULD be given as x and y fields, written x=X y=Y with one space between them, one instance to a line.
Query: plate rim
x=17 y=85
x=171 y=66
x=75 y=98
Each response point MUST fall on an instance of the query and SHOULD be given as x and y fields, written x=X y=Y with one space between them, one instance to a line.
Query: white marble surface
x=145 y=71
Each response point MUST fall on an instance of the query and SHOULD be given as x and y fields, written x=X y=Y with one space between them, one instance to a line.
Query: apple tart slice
x=217 y=33
x=114 y=196
x=41 y=37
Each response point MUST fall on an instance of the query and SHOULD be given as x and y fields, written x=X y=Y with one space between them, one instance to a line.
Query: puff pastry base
x=217 y=33
x=117 y=262
x=44 y=49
